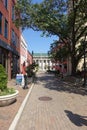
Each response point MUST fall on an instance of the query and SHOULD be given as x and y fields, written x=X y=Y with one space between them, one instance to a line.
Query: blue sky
x=37 y=1
x=34 y=40
x=37 y=43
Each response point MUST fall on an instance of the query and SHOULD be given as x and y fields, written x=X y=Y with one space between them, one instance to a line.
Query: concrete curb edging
x=15 y=121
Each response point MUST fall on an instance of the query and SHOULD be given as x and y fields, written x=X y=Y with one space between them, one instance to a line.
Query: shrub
x=3 y=78
x=30 y=71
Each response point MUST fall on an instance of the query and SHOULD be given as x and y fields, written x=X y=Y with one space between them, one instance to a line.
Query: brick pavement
x=66 y=111
x=8 y=113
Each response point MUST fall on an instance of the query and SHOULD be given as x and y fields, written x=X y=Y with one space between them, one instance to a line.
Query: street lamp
x=84 y=53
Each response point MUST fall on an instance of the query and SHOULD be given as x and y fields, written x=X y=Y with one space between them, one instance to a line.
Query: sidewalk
x=8 y=113
x=53 y=106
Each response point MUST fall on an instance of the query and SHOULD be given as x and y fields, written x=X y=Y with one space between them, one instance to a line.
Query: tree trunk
x=74 y=65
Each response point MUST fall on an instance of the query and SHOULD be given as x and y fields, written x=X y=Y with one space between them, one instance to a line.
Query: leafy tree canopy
x=65 y=18
x=48 y=16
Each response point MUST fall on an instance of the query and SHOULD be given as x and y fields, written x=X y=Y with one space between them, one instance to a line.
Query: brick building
x=9 y=38
x=23 y=51
x=29 y=58
x=25 y=55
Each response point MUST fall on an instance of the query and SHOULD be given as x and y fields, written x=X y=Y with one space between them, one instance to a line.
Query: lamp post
x=84 y=53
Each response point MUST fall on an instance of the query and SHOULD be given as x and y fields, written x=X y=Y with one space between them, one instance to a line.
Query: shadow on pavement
x=76 y=119
x=52 y=83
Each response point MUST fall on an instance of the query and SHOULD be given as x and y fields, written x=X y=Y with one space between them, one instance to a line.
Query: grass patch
x=7 y=91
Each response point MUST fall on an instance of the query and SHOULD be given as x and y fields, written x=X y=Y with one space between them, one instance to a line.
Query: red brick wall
x=29 y=58
x=7 y=14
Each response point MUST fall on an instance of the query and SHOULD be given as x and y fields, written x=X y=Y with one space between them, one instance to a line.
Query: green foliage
x=3 y=78
x=7 y=91
x=32 y=69
x=30 y=72
x=64 y=18
x=48 y=16
x=58 y=51
x=53 y=17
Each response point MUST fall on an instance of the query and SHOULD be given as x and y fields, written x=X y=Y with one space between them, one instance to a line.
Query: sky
x=35 y=42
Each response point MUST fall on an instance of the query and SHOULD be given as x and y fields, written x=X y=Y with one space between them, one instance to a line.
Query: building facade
x=9 y=38
x=29 y=58
x=23 y=52
x=43 y=61
x=25 y=55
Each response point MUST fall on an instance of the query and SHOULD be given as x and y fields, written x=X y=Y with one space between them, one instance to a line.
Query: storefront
x=9 y=58
x=4 y=58
x=15 y=65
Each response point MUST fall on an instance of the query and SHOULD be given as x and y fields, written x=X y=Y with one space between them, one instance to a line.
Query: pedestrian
x=25 y=75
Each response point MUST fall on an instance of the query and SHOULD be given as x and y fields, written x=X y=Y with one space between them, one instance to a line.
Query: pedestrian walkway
x=49 y=107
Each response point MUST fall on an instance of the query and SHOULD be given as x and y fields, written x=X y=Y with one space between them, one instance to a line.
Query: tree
x=4 y=90
x=3 y=78
x=58 y=51
x=77 y=19
x=65 y=18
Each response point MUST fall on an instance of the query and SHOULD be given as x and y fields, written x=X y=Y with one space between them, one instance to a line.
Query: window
x=13 y=38
x=44 y=61
x=6 y=3
x=37 y=61
x=0 y=22
x=13 y=13
x=16 y=40
x=6 y=29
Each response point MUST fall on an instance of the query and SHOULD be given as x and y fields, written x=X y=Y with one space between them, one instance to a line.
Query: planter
x=8 y=99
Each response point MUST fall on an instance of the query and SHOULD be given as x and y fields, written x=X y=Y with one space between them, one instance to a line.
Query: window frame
x=13 y=13
x=13 y=37
x=0 y=23
x=5 y=28
x=6 y=4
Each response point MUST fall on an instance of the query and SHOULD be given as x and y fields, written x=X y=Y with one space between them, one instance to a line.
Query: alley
x=51 y=108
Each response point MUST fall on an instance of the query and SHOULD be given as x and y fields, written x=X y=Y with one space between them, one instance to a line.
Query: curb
x=17 y=117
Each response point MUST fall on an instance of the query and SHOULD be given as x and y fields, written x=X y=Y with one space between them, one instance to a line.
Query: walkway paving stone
x=66 y=111
x=8 y=113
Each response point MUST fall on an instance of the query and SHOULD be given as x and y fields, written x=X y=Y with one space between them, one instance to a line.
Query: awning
x=8 y=47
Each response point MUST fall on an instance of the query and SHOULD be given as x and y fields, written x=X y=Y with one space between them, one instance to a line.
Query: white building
x=43 y=61
x=23 y=51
